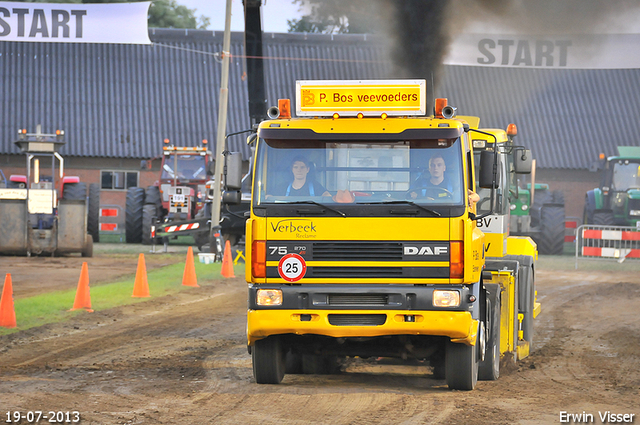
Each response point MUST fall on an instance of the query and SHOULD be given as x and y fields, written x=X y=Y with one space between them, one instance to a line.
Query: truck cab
x=373 y=257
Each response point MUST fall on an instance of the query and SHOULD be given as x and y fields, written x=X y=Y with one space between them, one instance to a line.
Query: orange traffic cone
x=227 y=261
x=7 y=312
x=141 y=286
x=83 y=298
x=189 y=277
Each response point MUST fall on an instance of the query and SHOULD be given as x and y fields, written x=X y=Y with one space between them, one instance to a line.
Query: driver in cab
x=436 y=180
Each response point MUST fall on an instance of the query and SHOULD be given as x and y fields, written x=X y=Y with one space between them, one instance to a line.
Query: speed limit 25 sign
x=292 y=267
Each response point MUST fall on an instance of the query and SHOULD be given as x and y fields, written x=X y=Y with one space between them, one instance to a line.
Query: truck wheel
x=93 y=216
x=315 y=364
x=527 y=321
x=551 y=238
x=87 y=251
x=489 y=369
x=461 y=366
x=268 y=361
x=75 y=191
x=603 y=218
x=133 y=214
x=148 y=213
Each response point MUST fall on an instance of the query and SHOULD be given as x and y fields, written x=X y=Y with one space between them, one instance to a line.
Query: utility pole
x=222 y=129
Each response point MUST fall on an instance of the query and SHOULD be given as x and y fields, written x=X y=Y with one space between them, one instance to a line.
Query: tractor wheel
x=551 y=238
x=587 y=217
x=148 y=214
x=87 y=250
x=93 y=216
x=489 y=368
x=75 y=191
x=268 y=361
x=153 y=196
x=540 y=197
x=133 y=215
x=557 y=197
x=603 y=218
x=461 y=366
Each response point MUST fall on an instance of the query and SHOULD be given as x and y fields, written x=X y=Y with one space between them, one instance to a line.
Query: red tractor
x=178 y=196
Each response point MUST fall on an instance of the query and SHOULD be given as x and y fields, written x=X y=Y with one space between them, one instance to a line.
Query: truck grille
x=361 y=300
x=357 y=251
x=357 y=319
x=357 y=272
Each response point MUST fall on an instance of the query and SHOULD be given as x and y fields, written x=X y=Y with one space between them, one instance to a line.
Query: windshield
x=426 y=172
x=191 y=167
x=626 y=176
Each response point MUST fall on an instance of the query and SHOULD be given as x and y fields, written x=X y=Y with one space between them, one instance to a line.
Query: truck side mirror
x=522 y=161
x=487 y=164
x=211 y=168
x=232 y=197
x=233 y=171
x=252 y=139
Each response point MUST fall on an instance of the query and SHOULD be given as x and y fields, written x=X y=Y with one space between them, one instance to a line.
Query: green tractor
x=539 y=215
x=617 y=200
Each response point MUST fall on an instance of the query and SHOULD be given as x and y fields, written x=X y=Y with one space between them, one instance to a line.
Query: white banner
x=588 y=51
x=123 y=23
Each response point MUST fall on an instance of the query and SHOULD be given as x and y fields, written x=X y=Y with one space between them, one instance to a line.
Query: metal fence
x=607 y=242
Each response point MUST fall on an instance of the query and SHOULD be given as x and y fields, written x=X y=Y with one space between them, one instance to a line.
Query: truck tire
x=551 y=238
x=75 y=191
x=461 y=366
x=87 y=250
x=268 y=359
x=489 y=368
x=603 y=218
x=148 y=214
x=527 y=321
x=439 y=369
x=133 y=215
x=93 y=215
x=315 y=364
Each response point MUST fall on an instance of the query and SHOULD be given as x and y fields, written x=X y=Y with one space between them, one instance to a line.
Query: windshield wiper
x=314 y=203
x=436 y=213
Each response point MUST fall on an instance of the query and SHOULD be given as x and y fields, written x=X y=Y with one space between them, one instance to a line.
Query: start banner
x=577 y=51
x=120 y=23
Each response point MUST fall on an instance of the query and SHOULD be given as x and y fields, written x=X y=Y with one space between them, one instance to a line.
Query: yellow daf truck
x=363 y=240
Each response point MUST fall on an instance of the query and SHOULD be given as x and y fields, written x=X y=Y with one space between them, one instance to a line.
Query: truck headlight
x=446 y=298
x=269 y=297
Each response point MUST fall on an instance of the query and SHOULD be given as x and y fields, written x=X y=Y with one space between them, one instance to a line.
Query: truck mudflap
x=457 y=325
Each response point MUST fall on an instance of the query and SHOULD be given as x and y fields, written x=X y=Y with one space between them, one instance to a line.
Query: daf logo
x=425 y=250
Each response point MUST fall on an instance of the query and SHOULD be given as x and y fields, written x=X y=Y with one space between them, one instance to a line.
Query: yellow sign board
x=369 y=97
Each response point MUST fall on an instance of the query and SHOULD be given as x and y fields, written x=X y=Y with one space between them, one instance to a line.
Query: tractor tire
x=587 y=217
x=93 y=216
x=149 y=212
x=551 y=238
x=540 y=197
x=75 y=191
x=87 y=250
x=489 y=368
x=603 y=218
x=153 y=196
x=461 y=366
x=557 y=197
x=133 y=215
x=269 y=361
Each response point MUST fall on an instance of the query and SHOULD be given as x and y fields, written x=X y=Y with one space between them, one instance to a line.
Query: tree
x=162 y=13
x=338 y=17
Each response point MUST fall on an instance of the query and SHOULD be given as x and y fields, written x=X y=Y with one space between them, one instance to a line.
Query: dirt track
x=183 y=359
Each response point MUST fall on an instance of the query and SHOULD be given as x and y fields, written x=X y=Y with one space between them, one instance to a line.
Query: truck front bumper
x=457 y=325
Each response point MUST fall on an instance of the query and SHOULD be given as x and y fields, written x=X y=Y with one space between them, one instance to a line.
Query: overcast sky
x=274 y=13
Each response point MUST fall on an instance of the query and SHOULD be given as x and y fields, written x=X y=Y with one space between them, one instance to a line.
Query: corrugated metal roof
x=123 y=100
